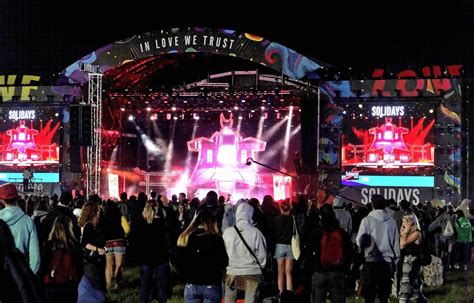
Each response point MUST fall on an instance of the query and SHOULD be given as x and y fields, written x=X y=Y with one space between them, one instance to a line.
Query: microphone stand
x=250 y=160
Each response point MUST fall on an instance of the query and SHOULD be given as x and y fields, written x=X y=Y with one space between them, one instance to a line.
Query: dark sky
x=43 y=37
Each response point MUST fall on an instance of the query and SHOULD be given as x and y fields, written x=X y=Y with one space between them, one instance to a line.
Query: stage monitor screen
x=30 y=138
x=388 y=144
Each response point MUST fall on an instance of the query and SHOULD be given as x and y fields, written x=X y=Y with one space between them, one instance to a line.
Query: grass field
x=458 y=287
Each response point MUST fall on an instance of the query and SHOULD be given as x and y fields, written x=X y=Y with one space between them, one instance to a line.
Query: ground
x=458 y=287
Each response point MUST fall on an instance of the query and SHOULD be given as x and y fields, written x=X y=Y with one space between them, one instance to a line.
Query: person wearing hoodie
x=202 y=259
x=245 y=268
x=21 y=226
x=378 y=237
x=342 y=215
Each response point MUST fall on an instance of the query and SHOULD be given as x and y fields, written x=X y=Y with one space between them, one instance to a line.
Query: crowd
x=274 y=251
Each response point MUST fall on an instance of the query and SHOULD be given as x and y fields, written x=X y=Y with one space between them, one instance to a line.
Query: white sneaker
x=464 y=268
x=456 y=266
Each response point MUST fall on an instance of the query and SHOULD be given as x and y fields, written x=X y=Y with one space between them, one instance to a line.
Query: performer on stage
x=27 y=176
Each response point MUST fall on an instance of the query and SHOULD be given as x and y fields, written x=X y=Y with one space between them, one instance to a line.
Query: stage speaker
x=309 y=140
x=80 y=125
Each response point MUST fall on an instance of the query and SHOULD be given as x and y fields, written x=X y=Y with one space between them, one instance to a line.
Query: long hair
x=62 y=235
x=149 y=211
x=204 y=220
x=89 y=211
x=415 y=224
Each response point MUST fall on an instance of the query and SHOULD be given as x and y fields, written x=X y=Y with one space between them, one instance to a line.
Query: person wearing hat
x=21 y=225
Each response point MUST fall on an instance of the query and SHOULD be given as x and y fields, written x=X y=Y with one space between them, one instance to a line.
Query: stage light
x=360 y=105
x=173 y=108
x=168 y=116
x=56 y=114
x=344 y=112
x=291 y=107
x=220 y=101
x=262 y=108
x=243 y=100
x=252 y=111
x=240 y=118
x=276 y=110
x=131 y=118
x=175 y=118
x=431 y=111
x=122 y=109
x=148 y=109
x=236 y=107
x=263 y=100
x=152 y=118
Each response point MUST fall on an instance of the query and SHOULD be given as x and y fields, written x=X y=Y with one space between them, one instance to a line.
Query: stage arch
x=195 y=40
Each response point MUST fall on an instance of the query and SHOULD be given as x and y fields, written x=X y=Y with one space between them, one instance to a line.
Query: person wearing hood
x=378 y=237
x=21 y=226
x=202 y=259
x=245 y=264
x=342 y=215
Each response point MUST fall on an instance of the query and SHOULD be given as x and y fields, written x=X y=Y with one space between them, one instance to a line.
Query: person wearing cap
x=342 y=215
x=21 y=225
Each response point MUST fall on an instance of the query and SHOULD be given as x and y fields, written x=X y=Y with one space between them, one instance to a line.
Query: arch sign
x=192 y=40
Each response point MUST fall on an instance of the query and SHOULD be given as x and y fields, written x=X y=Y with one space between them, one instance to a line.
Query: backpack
x=332 y=250
x=448 y=230
x=62 y=269
x=433 y=273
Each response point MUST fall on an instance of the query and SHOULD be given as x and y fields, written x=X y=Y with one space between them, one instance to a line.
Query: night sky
x=43 y=37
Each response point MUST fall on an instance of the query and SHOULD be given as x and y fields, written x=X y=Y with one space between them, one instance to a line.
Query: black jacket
x=313 y=251
x=47 y=254
x=203 y=260
x=17 y=282
x=150 y=242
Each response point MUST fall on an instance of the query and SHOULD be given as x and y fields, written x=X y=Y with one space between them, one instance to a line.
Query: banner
x=411 y=194
x=194 y=40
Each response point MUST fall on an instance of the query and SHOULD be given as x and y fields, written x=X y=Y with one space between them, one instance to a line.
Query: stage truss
x=94 y=151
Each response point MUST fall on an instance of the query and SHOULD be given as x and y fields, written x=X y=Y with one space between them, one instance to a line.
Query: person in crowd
x=228 y=219
x=93 y=247
x=283 y=232
x=463 y=240
x=409 y=272
x=152 y=252
x=40 y=211
x=124 y=206
x=258 y=218
x=59 y=209
x=182 y=219
x=114 y=244
x=396 y=211
x=245 y=264
x=61 y=264
x=271 y=212
x=17 y=282
x=193 y=207
x=328 y=255
x=182 y=198
x=444 y=240
x=342 y=215
x=202 y=260
x=174 y=202
x=21 y=226
x=378 y=237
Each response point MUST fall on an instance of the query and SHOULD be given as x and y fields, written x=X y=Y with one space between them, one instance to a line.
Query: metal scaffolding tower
x=94 y=151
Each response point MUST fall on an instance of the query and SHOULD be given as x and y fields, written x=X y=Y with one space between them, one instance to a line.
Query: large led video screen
x=29 y=138
x=388 y=144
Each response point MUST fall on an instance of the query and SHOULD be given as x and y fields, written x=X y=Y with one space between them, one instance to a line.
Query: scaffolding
x=94 y=151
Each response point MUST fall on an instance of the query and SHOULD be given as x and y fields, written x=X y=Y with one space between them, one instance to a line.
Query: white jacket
x=241 y=262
